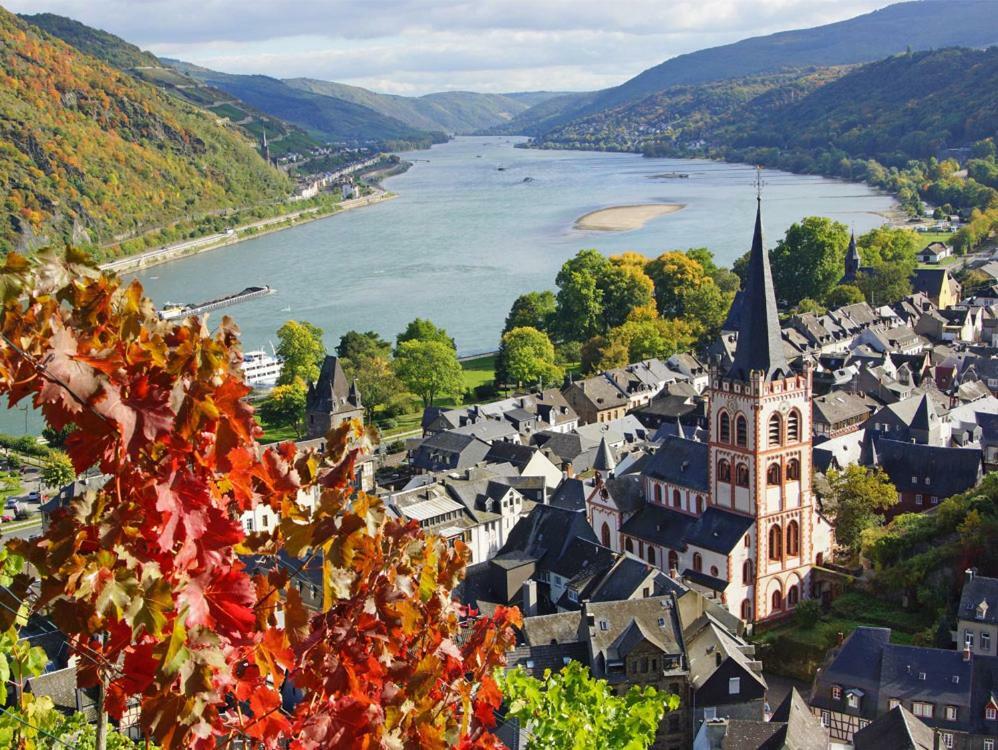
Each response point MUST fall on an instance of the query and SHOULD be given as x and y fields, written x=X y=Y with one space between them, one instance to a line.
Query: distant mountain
x=88 y=154
x=324 y=117
x=916 y=25
x=281 y=136
x=451 y=111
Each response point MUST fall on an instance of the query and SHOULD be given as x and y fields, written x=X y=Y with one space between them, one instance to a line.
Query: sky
x=413 y=47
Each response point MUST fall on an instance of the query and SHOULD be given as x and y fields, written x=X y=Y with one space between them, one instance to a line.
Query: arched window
x=658 y=494
x=793 y=426
x=773 y=473
x=746 y=610
x=701 y=504
x=777 y=601
x=741 y=475
x=775 y=429
x=793 y=595
x=651 y=554
x=793 y=470
x=747 y=572
x=673 y=560
x=714 y=571
x=793 y=539
x=676 y=500
x=605 y=534
x=723 y=471
x=724 y=427
x=629 y=544
x=741 y=430
x=775 y=542
x=819 y=558
x=697 y=562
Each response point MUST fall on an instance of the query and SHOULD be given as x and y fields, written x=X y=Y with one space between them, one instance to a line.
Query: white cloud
x=415 y=46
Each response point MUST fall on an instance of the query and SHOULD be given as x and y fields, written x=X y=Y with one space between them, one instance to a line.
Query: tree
x=596 y=293
x=600 y=353
x=301 y=350
x=284 y=406
x=808 y=305
x=654 y=337
x=429 y=369
x=624 y=289
x=532 y=310
x=422 y=329
x=855 y=499
x=528 y=357
x=895 y=246
x=58 y=470
x=884 y=284
x=355 y=346
x=676 y=277
x=56 y=438
x=570 y=710
x=147 y=575
x=809 y=260
x=580 y=306
x=379 y=387
x=844 y=294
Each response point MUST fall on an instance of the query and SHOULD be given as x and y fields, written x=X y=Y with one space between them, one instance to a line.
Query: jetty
x=173 y=310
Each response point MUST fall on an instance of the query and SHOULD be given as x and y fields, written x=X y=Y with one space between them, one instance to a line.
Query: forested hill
x=89 y=154
x=282 y=137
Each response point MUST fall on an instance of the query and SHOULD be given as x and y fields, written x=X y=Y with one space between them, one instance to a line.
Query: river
x=465 y=237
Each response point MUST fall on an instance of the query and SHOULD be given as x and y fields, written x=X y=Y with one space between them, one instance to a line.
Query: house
x=596 y=399
x=938 y=285
x=791 y=727
x=447 y=451
x=926 y=474
x=838 y=413
x=331 y=400
x=898 y=728
x=934 y=252
x=977 y=615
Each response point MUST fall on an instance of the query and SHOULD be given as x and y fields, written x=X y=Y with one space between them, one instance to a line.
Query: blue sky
x=418 y=46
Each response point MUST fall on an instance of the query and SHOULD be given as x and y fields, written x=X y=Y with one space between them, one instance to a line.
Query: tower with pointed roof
x=760 y=457
x=853 y=261
x=331 y=400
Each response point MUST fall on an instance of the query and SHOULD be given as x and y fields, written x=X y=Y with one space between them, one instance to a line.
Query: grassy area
x=927 y=238
x=479 y=371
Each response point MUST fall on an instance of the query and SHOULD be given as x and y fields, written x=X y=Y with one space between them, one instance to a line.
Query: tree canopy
x=527 y=357
x=301 y=350
x=429 y=368
x=855 y=499
x=531 y=310
x=421 y=329
x=809 y=260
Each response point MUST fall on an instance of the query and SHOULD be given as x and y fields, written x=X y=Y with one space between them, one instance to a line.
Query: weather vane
x=759 y=183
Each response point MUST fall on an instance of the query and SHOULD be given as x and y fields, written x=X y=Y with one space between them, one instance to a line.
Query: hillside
x=450 y=111
x=323 y=117
x=88 y=154
x=924 y=25
x=282 y=137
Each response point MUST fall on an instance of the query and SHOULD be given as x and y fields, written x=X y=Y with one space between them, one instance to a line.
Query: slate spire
x=604 y=460
x=760 y=342
x=853 y=260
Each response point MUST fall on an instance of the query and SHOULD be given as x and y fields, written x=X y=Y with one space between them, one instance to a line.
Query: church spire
x=760 y=342
x=853 y=260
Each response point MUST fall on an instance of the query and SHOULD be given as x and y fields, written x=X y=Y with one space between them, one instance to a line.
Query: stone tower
x=760 y=454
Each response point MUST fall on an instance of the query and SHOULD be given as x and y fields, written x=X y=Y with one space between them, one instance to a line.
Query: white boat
x=260 y=369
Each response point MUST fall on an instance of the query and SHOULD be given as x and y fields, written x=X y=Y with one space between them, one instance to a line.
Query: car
x=34 y=496
x=11 y=503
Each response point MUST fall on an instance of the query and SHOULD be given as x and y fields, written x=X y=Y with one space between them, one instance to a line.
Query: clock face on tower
x=784 y=407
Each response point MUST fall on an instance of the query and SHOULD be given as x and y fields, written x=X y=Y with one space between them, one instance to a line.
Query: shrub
x=808 y=613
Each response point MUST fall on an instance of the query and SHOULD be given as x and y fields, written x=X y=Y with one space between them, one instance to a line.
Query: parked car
x=11 y=503
x=34 y=496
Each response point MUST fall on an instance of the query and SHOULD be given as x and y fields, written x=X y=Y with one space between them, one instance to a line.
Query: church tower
x=760 y=454
x=852 y=261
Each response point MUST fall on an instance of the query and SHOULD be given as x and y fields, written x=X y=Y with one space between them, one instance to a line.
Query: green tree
x=855 y=499
x=580 y=306
x=571 y=710
x=355 y=346
x=676 y=277
x=422 y=329
x=808 y=305
x=885 y=245
x=650 y=337
x=301 y=349
x=284 y=406
x=532 y=310
x=528 y=357
x=429 y=369
x=624 y=289
x=380 y=388
x=844 y=294
x=58 y=470
x=809 y=260
x=596 y=293
x=884 y=285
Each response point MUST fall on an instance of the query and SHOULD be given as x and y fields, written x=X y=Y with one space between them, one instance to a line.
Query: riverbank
x=188 y=248
x=625 y=218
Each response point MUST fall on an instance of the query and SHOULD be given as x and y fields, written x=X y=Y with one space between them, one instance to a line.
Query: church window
x=673 y=560
x=747 y=572
x=724 y=427
x=775 y=542
x=777 y=601
x=746 y=610
x=793 y=539
x=741 y=430
x=723 y=471
x=792 y=596
x=741 y=475
x=651 y=554
x=605 y=534
x=793 y=426
x=701 y=505
x=676 y=501
x=773 y=474
x=775 y=428
x=658 y=494
x=793 y=470
x=714 y=571
x=697 y=562
x=629 y=544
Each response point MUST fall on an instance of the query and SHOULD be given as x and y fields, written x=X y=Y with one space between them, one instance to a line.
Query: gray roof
x=659 y=525
x=681 y=462
x=977 y=591
x=839 y=406
x=760 y=344
x=898 y=729
x=571 y=494
x=929 y=469
x=605 y=461
x=331 y=392
x=718 y=530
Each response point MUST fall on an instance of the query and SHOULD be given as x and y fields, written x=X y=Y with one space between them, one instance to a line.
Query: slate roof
x=936 y=470
x=855 y=664
x=659 y=525
x=623 y=580
x=977 y=590
x=331 y=392
x=681 y=462
x=839 y=406
x=571 y=494
x=898 y=729
x=718 y=530
x=545 y=535
x=449 y=450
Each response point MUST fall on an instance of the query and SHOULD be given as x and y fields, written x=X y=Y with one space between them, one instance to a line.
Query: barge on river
x=174 y=310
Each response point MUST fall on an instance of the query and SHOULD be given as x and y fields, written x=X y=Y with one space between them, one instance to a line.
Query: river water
x=465 y=237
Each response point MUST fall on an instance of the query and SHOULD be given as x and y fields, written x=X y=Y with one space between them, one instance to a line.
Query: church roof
x=760 y=343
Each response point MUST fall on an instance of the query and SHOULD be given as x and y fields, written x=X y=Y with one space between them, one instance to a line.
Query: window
x=604 y=625
x=713 y=570
x=935 y=500
x=918 y=499
x=793 y=539
x=991 y=713
x=985 y=641
x=746 y=610
x=724 y=427
x=852 y=700
x=922 y=710
x=676 y=499
x=773 y=474
x=629 y=544
x=741 y=431
x=775 y=542
x=658 y=494
x=947 y=739
x=893 y=703
x=747 y=541
x=989 y=744
x=673 y=560
x=697 y=562
x=723 y=471
x=826 y=718
x=701 y=504
x=793 y=596
x=747 y=572
x=968 y=638
x=793 y=470
x=793 y=426
x=950 y=713
x=775 y=429
x=605 y=535
x=741 y=475
x=710 y=713
x=734 y=685
x=777 y=601
x=836 y=693
x=651 y=555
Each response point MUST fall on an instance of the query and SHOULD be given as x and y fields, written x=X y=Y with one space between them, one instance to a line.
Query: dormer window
x=982 y=610
x=836 y=693
x=604 y=625
x=853 y=698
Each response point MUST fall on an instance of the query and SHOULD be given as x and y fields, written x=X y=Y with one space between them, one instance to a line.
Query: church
x=734 y=516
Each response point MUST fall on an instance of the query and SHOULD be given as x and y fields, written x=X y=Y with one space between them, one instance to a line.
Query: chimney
x=968 y=575
x=569 y=470
x=839 y=638
x=966 y=652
